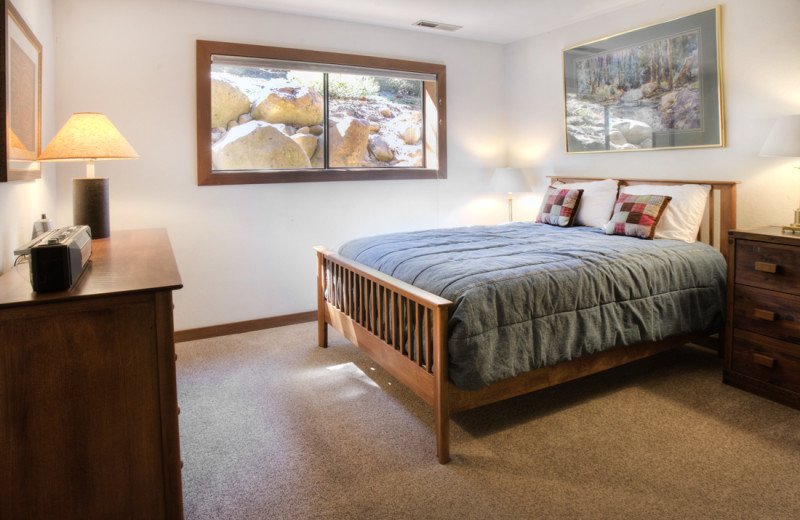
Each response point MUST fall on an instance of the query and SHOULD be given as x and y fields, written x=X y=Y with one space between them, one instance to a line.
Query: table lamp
x=784 y=141
x=89 y=137
x=508 y=180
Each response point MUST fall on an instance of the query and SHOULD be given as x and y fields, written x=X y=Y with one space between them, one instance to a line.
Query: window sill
x=219 y=178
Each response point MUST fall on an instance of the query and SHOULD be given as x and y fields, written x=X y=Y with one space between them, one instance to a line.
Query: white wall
x=761 y=74
x=244 y=252
x=22 y=202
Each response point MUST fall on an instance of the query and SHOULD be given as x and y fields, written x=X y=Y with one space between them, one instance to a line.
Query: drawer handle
x=762 y=314
x=766 y=267
x=765 y=361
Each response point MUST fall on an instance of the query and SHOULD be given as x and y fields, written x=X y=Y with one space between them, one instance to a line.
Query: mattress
x=529 y=295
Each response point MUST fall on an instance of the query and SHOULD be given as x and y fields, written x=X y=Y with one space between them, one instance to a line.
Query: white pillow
x=685 y=211
x=597 y=201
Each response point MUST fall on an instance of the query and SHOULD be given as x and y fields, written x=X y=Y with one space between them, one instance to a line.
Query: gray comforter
x=531 y=295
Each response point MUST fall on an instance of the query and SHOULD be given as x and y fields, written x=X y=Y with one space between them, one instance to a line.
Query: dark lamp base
x=90 y=205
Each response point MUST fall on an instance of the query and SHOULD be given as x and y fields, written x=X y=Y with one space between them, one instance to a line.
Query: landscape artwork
x=648 y=89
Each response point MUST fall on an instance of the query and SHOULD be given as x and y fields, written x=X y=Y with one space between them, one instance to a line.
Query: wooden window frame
x=434 y=129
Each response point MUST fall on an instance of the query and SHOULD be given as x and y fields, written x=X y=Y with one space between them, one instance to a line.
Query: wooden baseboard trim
x=244 y=326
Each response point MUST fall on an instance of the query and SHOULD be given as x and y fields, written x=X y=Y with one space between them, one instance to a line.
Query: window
x=269 y=114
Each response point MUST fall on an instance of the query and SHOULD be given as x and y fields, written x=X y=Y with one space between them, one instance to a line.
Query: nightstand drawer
x=769 y=266
x=767 y=312
x=767 y=359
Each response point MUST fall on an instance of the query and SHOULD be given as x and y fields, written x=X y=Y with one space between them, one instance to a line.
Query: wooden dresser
x=762 y=351
x=88 y=403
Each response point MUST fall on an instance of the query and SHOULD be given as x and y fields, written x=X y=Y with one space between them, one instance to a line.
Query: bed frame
x=403 y=328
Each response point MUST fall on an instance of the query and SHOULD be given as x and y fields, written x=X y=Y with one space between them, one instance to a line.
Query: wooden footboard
x=401 y=327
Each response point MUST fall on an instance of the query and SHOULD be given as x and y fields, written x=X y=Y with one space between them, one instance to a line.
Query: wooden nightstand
x=762 y=343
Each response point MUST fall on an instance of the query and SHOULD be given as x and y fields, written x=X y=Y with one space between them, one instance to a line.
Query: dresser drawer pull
x=761 y=314
x=766 y=267
x=763 y=360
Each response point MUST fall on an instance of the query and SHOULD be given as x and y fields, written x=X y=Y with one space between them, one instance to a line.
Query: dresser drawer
x=767 y=359
x=766 y=312
x=769 y=266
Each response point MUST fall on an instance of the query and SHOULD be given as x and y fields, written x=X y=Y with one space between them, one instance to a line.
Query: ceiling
x=496 y=21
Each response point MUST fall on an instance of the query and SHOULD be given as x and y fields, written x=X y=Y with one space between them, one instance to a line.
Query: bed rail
x=375 y=311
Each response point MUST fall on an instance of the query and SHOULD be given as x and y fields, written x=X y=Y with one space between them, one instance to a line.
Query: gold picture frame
x=658 y=87
x=22 y=91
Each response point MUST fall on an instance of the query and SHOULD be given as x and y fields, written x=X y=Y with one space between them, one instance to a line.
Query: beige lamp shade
x=88 y=136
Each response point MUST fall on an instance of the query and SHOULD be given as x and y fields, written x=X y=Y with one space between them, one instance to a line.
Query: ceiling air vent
x=436 y=25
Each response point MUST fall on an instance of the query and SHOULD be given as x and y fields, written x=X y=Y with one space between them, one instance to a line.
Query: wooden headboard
x=720 y=214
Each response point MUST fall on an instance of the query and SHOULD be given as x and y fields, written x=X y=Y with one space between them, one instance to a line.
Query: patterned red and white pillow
x=637 y=215
x=559 y=206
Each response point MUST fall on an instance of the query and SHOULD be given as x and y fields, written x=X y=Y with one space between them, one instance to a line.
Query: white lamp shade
x=784 y=138
x=88 y=136
x=508 y=180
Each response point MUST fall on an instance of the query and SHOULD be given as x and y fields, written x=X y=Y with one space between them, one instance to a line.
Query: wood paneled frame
x=368 y=307
x=434 y=115
x=7 y=173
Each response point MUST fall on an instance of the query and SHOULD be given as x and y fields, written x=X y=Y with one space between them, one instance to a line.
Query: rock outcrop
x=291 y=105
x=348 y=142
x=257 y=146
x=634 y=132
x=411 y=134
x=380 y=149
x=680 y=109
x=307 y=142
x=227 y=103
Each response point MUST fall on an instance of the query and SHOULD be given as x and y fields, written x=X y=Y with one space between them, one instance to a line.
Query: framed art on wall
x=22 y=90
x=654 y=88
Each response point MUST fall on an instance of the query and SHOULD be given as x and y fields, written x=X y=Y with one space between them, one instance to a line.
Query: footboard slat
x=362 y=301
x=351 y=294
x=397 y=342
x=421 y=361
x=375 y=308
x=430 y=342
x=409 y=331
x=370 y=321
x=387 y=295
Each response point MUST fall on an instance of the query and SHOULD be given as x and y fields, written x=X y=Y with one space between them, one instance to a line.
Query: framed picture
x=654 y=88
x=22 y=91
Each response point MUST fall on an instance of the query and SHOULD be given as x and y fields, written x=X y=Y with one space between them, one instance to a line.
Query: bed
x=471 y=316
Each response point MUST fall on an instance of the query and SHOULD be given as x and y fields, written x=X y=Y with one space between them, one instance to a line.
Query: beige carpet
x=274 y=427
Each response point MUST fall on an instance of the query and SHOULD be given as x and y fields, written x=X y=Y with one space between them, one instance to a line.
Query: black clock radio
x=58 y=257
